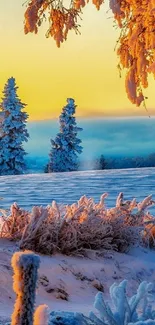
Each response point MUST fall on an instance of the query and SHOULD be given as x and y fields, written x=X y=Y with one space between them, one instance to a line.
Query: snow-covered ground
x=41 y=189
x=74 y=276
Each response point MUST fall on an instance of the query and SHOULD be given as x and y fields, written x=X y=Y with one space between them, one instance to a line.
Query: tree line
x=123 y=162
x=65 y=148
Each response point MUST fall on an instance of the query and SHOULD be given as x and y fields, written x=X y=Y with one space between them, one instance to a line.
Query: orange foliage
x=136 y=19
x=136 y=45
x=32 y=16
x=61 y=22
x=61 y=19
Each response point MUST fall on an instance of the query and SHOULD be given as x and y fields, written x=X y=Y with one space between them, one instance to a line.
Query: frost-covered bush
x=81 y=226
x=41 y=315
x=137 y=310
x=69 y=318
x=25 y=266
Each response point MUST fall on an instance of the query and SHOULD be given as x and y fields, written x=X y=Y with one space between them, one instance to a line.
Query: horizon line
x=97 y=117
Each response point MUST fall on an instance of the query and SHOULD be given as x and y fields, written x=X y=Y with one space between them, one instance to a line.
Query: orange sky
x=83 y=68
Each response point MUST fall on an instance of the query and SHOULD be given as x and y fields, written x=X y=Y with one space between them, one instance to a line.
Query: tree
x=138 y=162
x=150 y=160
x=46 y=168
x=13 y=131
x=66 y=146
x=101 y=163
x=135 y=46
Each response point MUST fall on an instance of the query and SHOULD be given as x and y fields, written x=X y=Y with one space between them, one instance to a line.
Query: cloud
x=111 y=137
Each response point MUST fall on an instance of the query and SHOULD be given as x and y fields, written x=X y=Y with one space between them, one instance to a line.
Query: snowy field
x=75 y=275
x=41 y=189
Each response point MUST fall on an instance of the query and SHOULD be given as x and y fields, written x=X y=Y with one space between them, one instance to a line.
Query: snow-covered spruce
x=137 y=310
x=66 y=146
x=13 y=131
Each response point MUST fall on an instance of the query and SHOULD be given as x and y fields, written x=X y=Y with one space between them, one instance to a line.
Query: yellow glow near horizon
x=85 y=67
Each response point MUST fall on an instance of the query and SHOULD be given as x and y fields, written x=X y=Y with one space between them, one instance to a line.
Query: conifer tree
x=66 y=146
x=13 y=131
x=102 y=162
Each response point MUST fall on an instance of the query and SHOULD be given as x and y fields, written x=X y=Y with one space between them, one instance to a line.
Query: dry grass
x=80 y=227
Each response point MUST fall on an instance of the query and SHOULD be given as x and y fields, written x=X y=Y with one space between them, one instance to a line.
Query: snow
x=75 y=276
x=42 y=189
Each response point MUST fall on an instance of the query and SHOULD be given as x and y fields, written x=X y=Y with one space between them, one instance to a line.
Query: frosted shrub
x=135 y=310
x=41 y=315
x=25 y=266
x=69 y=318
x=79 y=227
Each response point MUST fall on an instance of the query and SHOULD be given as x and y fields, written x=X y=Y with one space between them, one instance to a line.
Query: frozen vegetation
x=81 y=227
x=89 y=248
x=89 y=291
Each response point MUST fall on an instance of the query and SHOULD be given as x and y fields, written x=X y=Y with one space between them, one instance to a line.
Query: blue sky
x=111 y=137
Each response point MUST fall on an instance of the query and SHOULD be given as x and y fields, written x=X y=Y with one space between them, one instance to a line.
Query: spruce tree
x=66 y=146
x=13 y=131
x=102 y=163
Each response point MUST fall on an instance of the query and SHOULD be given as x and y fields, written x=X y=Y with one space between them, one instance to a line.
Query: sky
x=112 y=137
x=84 y=68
